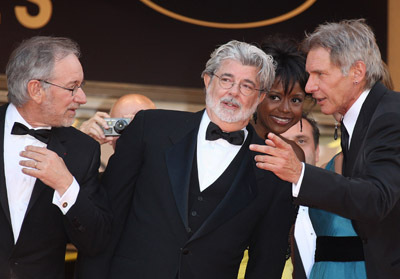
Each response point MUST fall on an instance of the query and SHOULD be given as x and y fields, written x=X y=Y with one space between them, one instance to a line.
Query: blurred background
x=159 y=48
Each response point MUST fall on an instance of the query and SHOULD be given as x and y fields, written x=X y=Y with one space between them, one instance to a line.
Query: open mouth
x=230 y=104
x=281 y=121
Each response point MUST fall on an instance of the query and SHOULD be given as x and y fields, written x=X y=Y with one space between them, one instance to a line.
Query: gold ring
x=35 y=164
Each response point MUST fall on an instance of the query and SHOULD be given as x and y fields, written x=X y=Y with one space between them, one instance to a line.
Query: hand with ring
x=53 y=171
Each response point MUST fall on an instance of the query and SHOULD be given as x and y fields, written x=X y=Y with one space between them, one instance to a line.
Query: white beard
x=227 y=115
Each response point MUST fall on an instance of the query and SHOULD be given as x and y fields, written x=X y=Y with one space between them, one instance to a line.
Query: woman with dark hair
x=283 y=104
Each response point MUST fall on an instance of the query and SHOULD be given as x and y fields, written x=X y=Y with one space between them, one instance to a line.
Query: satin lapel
x=240 y=194
x=55 y=144
x=179 y=160
x=3 y=189
x=363 y=120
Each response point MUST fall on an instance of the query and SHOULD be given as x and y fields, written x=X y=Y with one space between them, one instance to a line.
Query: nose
x=311 y=85
x=284 y=105
x=80 y=96
x=235 y=90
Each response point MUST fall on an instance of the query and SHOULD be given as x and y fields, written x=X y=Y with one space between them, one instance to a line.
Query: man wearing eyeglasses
x=49 y=193
x=186 y=194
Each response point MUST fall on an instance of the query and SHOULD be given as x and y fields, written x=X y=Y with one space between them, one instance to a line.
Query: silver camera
x=116 y=126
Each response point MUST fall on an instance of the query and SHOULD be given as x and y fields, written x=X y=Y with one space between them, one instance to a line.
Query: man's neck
x=26 y=111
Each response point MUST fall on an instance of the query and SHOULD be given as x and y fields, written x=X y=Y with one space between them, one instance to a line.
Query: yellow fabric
x=287 y=271
x=243 y=264
x=71 y=256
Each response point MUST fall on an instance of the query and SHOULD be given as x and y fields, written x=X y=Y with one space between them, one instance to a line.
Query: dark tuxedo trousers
x=148 y=181
x=40 y=249
x=369 y=194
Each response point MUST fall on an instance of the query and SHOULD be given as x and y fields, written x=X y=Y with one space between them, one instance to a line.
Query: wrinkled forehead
x=68 y=67
x=237 y=70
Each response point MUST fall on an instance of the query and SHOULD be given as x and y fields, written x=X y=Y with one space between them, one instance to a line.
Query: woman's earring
x=301 y=125
x=255 y=117
x=335 y=133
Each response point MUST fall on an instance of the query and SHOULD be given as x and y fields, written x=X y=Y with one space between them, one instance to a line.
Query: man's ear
x=35 y=91
x=207 y=80
x=262 y=97
x=358 y=71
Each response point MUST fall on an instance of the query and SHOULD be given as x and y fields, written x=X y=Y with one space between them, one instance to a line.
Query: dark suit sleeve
x=374 y=188
x=119 y=181
x=269 y=243
x=88 y=221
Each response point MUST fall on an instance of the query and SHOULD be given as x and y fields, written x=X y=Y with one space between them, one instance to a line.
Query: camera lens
x=120 y=125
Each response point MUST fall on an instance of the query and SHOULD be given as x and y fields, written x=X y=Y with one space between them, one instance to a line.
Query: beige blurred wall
x=394 y=41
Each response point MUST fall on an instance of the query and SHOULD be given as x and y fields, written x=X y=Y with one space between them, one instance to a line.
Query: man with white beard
x=187 y=196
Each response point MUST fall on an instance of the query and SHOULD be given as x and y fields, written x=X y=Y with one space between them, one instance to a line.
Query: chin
x=277 y=129
x=228 y=116
x=327 y=111
x=67 y=122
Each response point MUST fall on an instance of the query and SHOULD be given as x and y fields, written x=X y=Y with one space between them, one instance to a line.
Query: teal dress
x=330 y=224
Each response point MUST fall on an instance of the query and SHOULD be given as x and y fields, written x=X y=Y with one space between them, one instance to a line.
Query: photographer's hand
x=93 y=127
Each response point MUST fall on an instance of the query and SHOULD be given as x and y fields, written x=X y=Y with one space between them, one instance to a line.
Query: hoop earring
x=335 y=133
x=301 y=125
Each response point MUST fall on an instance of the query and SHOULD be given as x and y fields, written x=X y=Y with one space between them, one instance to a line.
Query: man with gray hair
x=187 y=197
x=49 y=190
x=345 y=67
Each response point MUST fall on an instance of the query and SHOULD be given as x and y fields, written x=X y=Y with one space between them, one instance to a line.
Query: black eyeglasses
x=245 y=88
x=73 y=89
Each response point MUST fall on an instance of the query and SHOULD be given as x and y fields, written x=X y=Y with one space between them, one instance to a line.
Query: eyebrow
x=245 y=80
x=315 y=71
x=75 y=82
x=275 y=92
x=302 y=137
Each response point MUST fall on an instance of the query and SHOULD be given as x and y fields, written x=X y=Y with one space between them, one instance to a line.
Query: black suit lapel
x=55 y=144
x=362 y=124
x=179 y=160
x=3 y=189
x=239 y=195
x=298 y=268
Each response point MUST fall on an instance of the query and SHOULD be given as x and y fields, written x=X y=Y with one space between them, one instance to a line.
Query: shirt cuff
x=296 y=186
x=68 y=199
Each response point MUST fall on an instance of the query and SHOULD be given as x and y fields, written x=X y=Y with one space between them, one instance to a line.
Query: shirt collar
x=350 y=118
x=13 y=115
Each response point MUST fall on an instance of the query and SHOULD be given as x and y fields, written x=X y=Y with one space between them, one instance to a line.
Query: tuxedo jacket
x=148 y=179
x=369 y=191
x=40 y=249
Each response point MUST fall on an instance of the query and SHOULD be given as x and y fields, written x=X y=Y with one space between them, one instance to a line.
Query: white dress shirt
x=305 y=239
x=19 y=185
x=351 y=116
x=213 y=157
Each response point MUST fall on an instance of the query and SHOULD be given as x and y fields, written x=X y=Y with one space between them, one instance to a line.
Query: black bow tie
x=41 y=134
x=214 y=132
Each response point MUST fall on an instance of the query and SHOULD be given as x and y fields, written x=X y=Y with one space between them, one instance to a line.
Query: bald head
x=128 y=105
